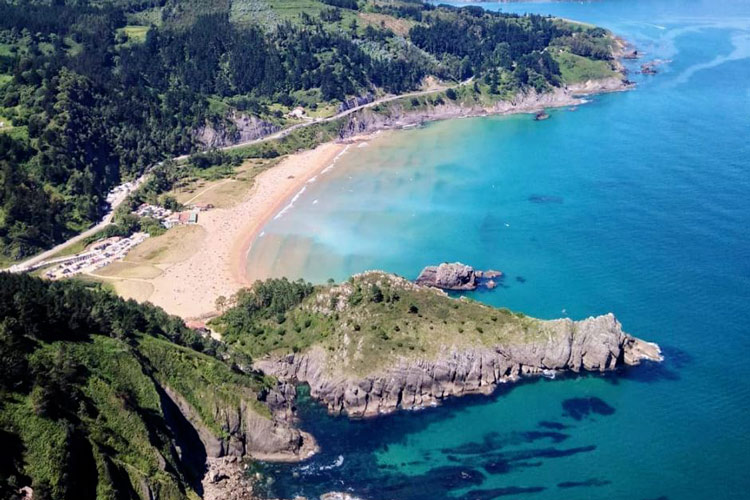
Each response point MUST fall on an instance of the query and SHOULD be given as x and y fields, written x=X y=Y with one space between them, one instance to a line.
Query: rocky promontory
x=594 y=344
x=440 y=347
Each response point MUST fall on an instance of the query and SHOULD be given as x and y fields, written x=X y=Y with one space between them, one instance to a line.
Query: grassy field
x=176 y=245
x=225 y=192
x=134 y=33
x=397 y=25
x=575 y=69
x=130 y=278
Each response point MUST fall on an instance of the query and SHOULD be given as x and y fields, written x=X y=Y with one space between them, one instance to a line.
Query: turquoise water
x=636 y=203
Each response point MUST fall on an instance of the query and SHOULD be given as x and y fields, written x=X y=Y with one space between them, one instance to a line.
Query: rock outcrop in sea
x=594 y=344
x=455 y=276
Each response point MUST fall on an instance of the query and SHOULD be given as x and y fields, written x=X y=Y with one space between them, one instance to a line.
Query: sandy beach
x=185 y=270
x=214 y=258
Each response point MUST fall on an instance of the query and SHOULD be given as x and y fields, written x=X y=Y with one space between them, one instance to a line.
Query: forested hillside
x=92 y=92
x=84 y=378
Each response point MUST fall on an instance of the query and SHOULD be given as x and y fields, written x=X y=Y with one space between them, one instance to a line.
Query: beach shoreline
x=218 y=266
x=333 y=151
x=188 y=286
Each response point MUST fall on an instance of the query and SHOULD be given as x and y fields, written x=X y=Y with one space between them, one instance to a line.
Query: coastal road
x=22 y=266
x=285 y=132
x=33 y=261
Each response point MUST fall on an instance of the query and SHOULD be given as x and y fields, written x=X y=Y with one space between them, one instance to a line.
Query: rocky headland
x=594 y=344
x=465 y=362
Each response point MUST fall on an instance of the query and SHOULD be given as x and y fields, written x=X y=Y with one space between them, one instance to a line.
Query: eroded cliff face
x=235 y=129
x=594 y=344
x=245 y=432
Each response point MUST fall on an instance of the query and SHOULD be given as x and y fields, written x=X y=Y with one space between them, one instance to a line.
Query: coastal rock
x=455 y=276
x=593 y=344
x=235 y=128
x=226 y=478
x=245 y=432
x=397 y=116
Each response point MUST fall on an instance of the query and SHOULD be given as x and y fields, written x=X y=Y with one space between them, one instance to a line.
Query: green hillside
x=83 y=411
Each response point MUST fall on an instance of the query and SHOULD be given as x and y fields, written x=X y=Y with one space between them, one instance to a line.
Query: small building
x=298 y=112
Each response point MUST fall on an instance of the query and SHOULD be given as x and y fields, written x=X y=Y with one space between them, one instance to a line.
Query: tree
x=221 y=303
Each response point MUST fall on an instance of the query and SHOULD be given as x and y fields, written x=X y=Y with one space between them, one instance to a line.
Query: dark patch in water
x=503 y=463
x=552 y=425
x=587 y=483
x=543 y=199
x=549 y=452
x=494 y=441
x=578 y=408
x=528 y=464
x=520 y=279
x=501 y=492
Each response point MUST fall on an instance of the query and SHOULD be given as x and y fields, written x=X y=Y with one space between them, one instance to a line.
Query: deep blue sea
x=636 y=203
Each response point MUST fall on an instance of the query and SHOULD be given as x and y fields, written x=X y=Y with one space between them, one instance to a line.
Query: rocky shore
x=594 y=344
x=397 y=116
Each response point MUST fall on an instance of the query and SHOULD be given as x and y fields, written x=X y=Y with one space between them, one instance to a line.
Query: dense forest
x=92 y=92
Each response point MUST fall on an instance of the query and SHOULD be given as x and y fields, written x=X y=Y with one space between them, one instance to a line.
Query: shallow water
x=636 y=203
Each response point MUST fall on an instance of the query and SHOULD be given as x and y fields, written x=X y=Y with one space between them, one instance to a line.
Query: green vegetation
x=82 y=378
x=94 y=92
x=132 y=34
x=366 y=323
x=575 y=69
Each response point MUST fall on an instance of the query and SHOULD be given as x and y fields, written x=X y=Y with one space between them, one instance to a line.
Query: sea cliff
x=593 y=344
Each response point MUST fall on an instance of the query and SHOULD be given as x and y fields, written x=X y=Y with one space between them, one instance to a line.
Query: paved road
x=278 y=135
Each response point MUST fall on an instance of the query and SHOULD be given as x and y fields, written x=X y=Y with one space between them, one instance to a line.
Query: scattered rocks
x=649 y=68
x=226 y=478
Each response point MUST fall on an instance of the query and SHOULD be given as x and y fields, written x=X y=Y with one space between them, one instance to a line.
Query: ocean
x=636 y=203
